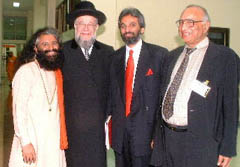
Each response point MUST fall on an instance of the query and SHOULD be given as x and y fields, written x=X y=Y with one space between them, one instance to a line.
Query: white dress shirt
x=136 y=52
x=180 y=108
x=89 y=50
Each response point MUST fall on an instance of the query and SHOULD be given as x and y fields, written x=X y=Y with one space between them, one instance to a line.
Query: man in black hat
x=86 y=84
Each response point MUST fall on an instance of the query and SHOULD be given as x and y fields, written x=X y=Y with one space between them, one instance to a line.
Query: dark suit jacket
x=212 y=121
x=145 y=98
x=86 y=87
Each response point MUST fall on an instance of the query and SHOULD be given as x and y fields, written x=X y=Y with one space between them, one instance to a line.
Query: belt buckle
x=172 y=128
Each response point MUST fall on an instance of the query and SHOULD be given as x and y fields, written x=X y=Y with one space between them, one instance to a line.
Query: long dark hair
x=28 y=53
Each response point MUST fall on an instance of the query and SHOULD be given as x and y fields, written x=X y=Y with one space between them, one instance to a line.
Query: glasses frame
x=188 y=22
x=84 y=25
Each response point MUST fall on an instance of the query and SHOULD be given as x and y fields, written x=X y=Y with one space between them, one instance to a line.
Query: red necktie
x=129 y=81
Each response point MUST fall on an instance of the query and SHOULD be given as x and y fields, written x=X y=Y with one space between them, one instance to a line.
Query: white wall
x=160 y=16
x=39 y=14
x=51 y=13
x=44 y=13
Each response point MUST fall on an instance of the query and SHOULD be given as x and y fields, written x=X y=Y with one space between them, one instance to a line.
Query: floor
x=6 y=130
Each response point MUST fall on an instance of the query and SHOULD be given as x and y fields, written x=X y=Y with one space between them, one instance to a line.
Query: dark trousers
x=127 y=159
x=175 y=148
x=81 y=160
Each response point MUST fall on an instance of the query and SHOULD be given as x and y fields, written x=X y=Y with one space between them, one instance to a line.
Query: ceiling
x=25 y=5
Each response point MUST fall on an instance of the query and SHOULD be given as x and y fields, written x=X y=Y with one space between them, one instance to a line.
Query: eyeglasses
x=187 y=22
x=83 y=25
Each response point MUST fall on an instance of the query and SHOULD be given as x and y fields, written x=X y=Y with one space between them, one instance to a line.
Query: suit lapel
x=142 y=67
x=210 y=54
x=120 y=71
x=78 y=55
x=205 y=67
x=170 y=66
x=93 y=56
x=79 y=58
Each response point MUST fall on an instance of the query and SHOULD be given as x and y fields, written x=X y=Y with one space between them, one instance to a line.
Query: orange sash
x=63 y=131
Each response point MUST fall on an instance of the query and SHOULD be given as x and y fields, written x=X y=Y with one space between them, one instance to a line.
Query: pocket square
x=149 y=72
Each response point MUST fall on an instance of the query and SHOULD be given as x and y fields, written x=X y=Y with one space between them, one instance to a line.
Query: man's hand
x=29 y=155
x=152 y=144
x=224 y=161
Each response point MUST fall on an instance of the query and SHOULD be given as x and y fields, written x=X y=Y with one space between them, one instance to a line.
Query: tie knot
x=86 y=52
x=131 y=52
x=190 y=50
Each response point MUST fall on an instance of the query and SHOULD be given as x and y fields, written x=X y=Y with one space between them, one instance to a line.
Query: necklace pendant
x=50 y=109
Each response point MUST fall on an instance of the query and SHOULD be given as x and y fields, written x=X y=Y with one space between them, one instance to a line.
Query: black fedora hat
x=86 y=8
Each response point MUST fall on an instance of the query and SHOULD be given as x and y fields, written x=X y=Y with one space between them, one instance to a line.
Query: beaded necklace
x=45 y=90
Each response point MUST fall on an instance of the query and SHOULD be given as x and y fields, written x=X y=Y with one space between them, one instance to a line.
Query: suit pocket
x=152 y=84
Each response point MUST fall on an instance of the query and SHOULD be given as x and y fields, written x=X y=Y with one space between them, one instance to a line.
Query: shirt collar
x=136 y=48
x=89 y=51
x=202 y=44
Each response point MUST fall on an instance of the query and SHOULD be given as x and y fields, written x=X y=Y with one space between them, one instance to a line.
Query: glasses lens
x=178 y=22
x=187 y=22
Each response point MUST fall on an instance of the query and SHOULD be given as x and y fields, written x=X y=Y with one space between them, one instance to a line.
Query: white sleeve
x=22 y=84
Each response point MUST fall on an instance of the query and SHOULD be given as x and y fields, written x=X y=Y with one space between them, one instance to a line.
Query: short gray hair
x=133 y=12
x=206 y=15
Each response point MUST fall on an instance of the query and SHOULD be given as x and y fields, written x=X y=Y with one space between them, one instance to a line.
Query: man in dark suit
x=200 y=106
x=86 y=85
x=133 y=104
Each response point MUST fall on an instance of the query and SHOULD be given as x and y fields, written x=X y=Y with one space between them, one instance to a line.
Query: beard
x=86 y=44
x=131 y=40
x=50 y=63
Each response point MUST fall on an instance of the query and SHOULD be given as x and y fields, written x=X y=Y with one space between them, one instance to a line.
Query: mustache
x=53 y=50
x=128 y=33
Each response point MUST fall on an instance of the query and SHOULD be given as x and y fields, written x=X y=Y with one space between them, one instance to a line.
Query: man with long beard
x=136 y=73
x=38 y=112
x=86 y=86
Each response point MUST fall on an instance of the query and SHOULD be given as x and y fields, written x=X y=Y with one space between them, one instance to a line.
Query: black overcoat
x=85 y=93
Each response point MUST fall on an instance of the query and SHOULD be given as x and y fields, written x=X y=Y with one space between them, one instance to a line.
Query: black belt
x=175 y=127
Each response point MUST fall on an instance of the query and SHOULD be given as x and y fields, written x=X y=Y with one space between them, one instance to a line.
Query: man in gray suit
x=200 y=107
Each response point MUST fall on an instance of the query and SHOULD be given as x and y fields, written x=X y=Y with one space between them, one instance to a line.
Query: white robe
x=33 y=122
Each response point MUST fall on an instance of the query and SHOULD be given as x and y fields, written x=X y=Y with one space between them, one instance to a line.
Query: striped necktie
x=172 y=90
x=86 y=54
